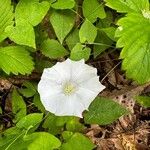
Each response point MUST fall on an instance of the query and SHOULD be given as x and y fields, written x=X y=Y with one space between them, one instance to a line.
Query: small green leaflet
x=62 y=22
x=80 y=52
x=103 y=111
x=15 y=59
x=93 y=10
x=63 y=4
x=78 y=142
x=53 y=49
x=125 y=6
x=87 y=32
x=31 y=10
x=134 y=37
x=6 y=17
x=18 y=106
x=22 y=33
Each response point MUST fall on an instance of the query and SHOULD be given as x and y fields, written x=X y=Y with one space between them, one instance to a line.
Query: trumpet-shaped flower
x=68 y=88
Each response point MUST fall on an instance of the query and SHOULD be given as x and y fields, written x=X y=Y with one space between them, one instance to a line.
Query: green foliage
x=55 y=124
x=42 y=141
x=6 y=19
x=27 y=36
x=77 y=142
x=93 y=10
x=128 y=5
x=30 y=121
x=51 y=31
x=73 y=38
x=53 y=49
x=87 y=32
x=18 y=106
x=28 y=90
x=136 y=47
x=143 y=100
x=15 y=59
x=62 y=22
x=80 y=52
x=61 y=4
x=32 y=11
x=103 y=111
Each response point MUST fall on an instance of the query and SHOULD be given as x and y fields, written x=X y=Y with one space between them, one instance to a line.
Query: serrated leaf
x=128 y=5
x=18 y=106
x=134 y=37
x=15 y=59
x=103 y=111
x=6 y=17
x=143 y=100
x=93 y=10
x=32 y=11
x=87 y=32
x=29 y=89
x=78 y=142
x=62 y=22
x=61 y=4
x=80 y=52
x=53 y=49
x=22 y=33
x=42 y=141
x=31 y=120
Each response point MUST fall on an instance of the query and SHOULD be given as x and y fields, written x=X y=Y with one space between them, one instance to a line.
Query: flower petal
x=92 y=84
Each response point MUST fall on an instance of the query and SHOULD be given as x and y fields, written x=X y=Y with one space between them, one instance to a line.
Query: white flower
x=68 y=88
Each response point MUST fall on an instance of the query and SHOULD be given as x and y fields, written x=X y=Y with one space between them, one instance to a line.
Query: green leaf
x=134 y=37
x=87 y=32
x=80 y=52
x=128 y=5
x=74 y=125
x=42 y=141
x=15 y=59
x=73 y=38
x=37 y=102
x=22 y=33
x=29 y=89
x=62 y=22
x=103 y=111
x=93 y=10
x=55 y=124
x=6 y=17
x=31 y=10
x=18 y=106
x=53 y=49
x=110 y=32
x=61 y=4
x=102 y=42
x=0 y=110
x=30 y=120
x=143 y=100
x=78 y=142
x=11 y=139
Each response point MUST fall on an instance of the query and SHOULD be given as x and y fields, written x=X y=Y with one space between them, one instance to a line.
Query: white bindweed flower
x=68 y=88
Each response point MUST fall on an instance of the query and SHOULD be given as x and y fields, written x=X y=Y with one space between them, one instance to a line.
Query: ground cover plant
x=74 y=74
